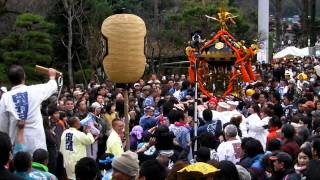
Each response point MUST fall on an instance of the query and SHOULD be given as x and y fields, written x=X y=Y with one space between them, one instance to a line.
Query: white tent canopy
x=305 y=51
x=292 y=51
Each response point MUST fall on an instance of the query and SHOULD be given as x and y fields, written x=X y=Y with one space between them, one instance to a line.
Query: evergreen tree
x=30 y=44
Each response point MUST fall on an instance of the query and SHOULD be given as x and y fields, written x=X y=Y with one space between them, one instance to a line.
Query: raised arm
x=49 y=88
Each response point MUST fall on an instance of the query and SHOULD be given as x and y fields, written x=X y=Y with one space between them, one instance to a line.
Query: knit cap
x=127 y=163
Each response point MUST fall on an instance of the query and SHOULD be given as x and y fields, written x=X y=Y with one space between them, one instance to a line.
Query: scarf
x=39 y=166
x=181 y=124
x=137 y=131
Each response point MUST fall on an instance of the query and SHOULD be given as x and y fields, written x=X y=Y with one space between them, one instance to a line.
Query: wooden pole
x=126 y=116
x=45 y=70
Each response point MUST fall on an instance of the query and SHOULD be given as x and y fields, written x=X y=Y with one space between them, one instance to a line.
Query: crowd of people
x=268 y=130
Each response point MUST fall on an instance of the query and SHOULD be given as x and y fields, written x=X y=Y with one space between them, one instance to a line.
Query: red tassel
x=250 y=71
x=191 y=74
x=245 y=76
x=229 y=90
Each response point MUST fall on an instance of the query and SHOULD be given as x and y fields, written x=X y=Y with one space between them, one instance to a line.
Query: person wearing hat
x=148 y=120
x=283 y=167
x=77 y=95
x=244 y=174
x=223 y=108
x=136 y=86
x=145 y=92
x=212 y=103
x=302 y=79
x=288 y=75
x=136 y=137
x=125 y=167
x=98 y=147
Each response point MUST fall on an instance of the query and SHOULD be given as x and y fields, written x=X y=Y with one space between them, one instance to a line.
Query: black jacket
x=289 y=174
x=6 y=175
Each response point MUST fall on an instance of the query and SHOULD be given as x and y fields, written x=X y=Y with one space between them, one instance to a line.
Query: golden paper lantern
x=125 y=61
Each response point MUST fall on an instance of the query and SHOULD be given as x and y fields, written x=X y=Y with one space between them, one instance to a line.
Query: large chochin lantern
x=223 y=61
x=125 y=60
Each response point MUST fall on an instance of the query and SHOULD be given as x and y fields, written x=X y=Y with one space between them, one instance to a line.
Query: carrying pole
x=126 y=117
x=195 y=115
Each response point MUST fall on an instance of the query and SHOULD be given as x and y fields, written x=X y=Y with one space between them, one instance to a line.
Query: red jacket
x=273 y=133
x=291 y=147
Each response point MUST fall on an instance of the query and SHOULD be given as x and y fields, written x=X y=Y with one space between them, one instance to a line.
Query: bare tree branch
x=63 y=43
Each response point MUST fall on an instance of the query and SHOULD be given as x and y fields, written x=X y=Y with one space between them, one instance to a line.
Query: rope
x=60 y=85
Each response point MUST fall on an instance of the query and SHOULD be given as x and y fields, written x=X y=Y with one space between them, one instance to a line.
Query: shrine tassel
x=250 y=71
x=230 y=86
x=191 y=74
x=244 y=73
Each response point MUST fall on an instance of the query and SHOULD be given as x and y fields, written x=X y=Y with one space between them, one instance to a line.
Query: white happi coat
x=73 y=148
x=225 y=117
x=256 y=128
x=23 y=103
x=230 y=151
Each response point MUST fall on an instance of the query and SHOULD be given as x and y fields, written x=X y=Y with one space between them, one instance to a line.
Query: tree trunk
x=313 y=33
x=304 y=23
x=204 y=2
x=83 y=73
x=156 y=23
x=278 y=16
x=177 y=5
x=70 y=73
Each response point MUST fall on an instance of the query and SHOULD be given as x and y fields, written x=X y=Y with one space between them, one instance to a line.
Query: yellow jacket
x=114 y=144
